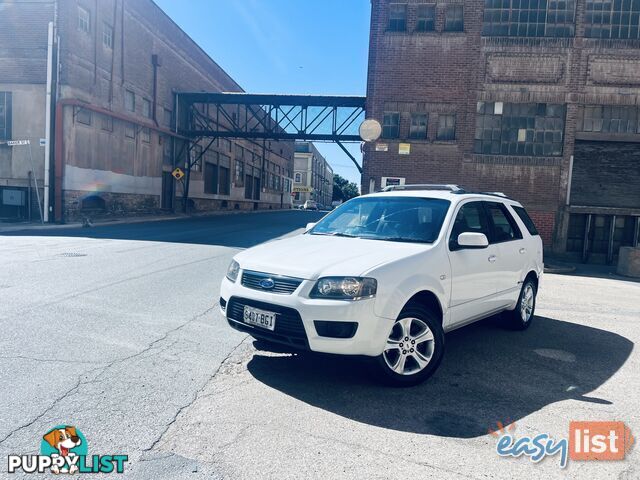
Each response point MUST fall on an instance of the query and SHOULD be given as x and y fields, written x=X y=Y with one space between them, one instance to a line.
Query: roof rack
x=492 y=194
x=425 y=186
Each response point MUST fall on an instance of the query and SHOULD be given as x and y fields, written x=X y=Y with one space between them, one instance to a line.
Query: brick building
x=313 y=176
x=113 y=141
x=539 y=99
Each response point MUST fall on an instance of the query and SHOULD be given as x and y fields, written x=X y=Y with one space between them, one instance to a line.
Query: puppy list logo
x=64 y=449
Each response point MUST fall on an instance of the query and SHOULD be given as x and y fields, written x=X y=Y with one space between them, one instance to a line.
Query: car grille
x=289 y=328
x=281 y=285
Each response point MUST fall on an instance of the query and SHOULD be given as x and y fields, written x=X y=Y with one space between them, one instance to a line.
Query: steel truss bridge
x=203 y=117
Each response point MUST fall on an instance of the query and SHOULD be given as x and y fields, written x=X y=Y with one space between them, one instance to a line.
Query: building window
x=107 y=35
x=612 y=19
x=146 y=108
x=167 y=147
x=454 y=18
x=224 y=188
x=298 y=178
x=239 y=152
x=397 y=17
x=83 y=116
x=145 y=133
x=107 y=123
x=426 y=18
x=210 y=178
x=239 y=173
x=609 y=119
x=84 y=20
x=391 y=125
x=446 y=127
x=130 y=130
x=129 y=101
x=418 y=129
x=530 y=18
x=5 y=115
x=166 y=119
x=535 y=129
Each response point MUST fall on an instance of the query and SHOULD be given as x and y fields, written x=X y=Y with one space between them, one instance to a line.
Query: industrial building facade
x=117 y=65
x=539 y=99
x=312 y=177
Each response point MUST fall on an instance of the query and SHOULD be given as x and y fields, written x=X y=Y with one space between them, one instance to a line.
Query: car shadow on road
x=488 y=375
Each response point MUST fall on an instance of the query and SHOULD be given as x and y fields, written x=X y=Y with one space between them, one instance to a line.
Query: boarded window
x=83 y=116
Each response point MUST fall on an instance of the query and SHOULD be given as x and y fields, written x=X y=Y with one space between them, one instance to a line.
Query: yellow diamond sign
x=178 y=173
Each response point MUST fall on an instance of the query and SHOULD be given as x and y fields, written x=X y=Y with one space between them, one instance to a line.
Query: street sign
x=15 y=143
x=178 y=173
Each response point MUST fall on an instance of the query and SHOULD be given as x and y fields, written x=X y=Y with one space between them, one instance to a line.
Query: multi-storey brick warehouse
x=113 y=140
x=538 y=99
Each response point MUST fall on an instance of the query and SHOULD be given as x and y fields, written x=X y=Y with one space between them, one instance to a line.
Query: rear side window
x=505 y=228
x=526 y=219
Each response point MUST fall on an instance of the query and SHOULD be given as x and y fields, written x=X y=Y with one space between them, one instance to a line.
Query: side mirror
x=309 y=226
x=472 y=240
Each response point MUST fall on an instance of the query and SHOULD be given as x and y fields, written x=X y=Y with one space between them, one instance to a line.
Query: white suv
x=386 y=275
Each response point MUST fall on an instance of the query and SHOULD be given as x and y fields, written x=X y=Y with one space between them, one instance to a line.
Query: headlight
x=345 y=288
x=232 y=271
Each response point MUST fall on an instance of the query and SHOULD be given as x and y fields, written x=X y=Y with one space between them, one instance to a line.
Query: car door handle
x=523 y=251
x=492 y=258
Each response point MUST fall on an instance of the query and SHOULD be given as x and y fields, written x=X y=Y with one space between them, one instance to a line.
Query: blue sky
x=285 y=46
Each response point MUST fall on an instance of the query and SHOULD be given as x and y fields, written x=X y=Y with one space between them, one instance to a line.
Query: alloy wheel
x=527 y=303
x=409 y=347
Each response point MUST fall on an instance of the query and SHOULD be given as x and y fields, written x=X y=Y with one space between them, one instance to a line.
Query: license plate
x=260 y=318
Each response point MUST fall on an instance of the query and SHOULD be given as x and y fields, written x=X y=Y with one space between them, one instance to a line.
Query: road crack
x=196 y=396
x=104 y=368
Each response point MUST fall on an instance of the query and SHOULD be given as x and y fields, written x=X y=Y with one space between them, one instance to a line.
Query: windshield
x=399 y=219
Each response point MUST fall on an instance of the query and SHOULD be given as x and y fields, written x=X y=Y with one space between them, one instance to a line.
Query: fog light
x=336 y=329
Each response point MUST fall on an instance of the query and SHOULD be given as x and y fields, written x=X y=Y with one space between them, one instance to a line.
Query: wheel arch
x=429 y=300
x=532 y=275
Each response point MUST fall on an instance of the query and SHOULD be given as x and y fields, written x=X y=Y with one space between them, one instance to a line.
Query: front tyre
x=520 y=317
x=413 y=350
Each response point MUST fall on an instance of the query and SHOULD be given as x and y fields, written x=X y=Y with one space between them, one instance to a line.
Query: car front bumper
x=296 y=314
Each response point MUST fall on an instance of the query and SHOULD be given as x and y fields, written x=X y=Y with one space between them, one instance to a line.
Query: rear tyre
x=414 y=348
x=520 y=318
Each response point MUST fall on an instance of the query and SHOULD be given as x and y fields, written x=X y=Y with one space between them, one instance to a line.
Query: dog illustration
x=63 y=440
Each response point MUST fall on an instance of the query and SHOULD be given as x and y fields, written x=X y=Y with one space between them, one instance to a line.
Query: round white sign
x=370 y=130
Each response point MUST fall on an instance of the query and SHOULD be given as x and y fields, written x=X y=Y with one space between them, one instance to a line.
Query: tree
x=343 y=189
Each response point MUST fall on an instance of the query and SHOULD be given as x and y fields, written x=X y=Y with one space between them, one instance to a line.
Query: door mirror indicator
x=472 y=240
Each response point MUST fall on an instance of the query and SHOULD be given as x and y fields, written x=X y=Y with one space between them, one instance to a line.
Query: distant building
x=312 y=177
x=538 y=99
x=113 y=145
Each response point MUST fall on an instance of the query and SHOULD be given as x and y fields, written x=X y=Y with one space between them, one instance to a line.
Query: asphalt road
x=115 y=330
